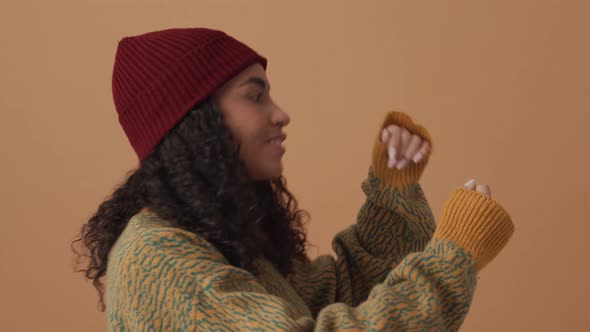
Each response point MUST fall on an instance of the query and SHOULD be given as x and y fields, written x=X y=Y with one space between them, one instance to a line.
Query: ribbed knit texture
x=471 y=218
x=159 y=76
x=394 y=270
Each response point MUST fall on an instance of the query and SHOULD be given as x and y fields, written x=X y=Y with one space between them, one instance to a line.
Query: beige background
x=502 y=86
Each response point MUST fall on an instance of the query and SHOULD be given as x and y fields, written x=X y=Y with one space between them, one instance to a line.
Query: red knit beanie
x=159 y=76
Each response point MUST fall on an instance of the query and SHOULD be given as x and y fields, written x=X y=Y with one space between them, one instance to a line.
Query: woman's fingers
x=384 y=135
x=484 y=189
x=413 y=145
x=480 y=188
x=405 y=138
x=470 y=184
x=422 y=152
x=393 y=145
x=403 y=146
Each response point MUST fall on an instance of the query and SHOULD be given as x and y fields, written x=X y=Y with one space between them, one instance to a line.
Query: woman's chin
x=269 y=173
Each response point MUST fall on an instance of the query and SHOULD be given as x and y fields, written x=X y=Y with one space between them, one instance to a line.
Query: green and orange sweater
x=395 y=270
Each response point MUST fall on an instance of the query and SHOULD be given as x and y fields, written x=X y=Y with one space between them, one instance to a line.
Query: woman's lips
x=277 y=141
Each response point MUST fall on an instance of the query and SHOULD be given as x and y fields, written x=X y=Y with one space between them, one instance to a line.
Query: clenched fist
x=403 y=146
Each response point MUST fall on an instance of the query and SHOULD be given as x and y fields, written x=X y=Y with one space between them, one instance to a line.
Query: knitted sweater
x=394 y=269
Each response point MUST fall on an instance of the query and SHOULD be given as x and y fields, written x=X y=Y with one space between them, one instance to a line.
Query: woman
x=205 y=235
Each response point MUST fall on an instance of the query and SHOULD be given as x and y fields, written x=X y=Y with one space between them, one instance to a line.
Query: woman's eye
x=257 y=97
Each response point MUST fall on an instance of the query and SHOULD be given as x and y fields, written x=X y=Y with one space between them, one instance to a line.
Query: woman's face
x=255 y=121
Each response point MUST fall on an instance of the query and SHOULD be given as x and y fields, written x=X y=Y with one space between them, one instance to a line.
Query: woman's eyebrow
x=256 y=80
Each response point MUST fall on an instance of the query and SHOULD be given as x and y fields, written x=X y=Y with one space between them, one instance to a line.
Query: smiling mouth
x=277 y=140
x=277 y=143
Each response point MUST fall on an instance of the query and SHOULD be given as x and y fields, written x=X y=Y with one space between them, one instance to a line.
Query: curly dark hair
x=195 y=179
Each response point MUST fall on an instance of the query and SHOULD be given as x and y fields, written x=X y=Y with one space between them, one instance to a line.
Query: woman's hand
x=403 y=146
x=481 y=188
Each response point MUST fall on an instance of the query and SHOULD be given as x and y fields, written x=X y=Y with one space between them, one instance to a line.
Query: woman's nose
x=281 y=117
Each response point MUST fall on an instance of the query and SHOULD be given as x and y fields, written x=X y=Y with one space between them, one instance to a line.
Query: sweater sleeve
x=170 y=279
x=394 y=221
